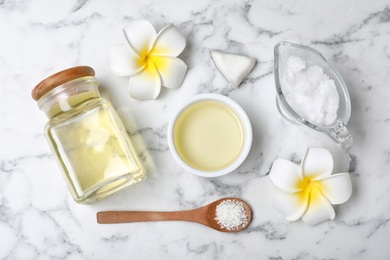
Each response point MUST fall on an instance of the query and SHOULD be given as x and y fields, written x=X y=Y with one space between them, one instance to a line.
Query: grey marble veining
x=39 y=219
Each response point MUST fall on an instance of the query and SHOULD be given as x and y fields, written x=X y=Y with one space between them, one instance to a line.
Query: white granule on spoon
x=230 y=214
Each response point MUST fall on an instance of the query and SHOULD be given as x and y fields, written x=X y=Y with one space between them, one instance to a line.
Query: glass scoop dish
x=336 y=130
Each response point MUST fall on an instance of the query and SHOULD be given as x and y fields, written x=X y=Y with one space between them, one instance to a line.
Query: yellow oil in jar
x=208 y=136
x=67 y=104
x=94 y=151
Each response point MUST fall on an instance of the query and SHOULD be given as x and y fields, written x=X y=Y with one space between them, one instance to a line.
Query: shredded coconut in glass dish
x=310 y=91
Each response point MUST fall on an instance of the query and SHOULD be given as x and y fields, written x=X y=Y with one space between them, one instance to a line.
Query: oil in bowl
x=210 y=135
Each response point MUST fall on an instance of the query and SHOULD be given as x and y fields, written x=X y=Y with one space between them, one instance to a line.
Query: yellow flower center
x=153 y=64
x=147 y=57
x=311 y=189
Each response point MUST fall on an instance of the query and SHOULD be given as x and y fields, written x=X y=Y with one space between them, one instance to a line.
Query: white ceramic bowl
x=244 y=122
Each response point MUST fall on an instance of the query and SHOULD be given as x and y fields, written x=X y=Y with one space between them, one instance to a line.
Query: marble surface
x=39 y=219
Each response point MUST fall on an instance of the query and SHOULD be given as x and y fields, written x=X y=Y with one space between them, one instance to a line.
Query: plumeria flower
x=309 y=190
x=149 y=59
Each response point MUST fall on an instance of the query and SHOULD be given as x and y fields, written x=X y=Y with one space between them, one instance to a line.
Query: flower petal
x=286 y=176
x=172 y=70
x=337 y=188
x=140 y=34
x=317 y=163
x=292 y=206
x=123 y=62
x=169 y=42
x=319 y=208
x=146 y=84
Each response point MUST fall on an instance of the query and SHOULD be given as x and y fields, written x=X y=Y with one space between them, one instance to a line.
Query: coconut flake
x=234 y=67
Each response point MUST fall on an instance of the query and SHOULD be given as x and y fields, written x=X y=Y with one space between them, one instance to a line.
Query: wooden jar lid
x=60 y=78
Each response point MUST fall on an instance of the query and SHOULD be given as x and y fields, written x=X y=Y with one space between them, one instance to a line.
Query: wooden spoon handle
x=107 y=217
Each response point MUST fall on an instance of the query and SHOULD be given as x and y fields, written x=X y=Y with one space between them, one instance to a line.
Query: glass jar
x=86 y=135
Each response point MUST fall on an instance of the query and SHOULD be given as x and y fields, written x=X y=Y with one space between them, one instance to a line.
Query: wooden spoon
x=205 y=215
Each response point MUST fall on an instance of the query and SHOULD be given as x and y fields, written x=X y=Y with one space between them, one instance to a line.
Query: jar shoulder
x=80 y=112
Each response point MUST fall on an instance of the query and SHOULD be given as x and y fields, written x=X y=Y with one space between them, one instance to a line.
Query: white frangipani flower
x=309 y=190
x=149 y=59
